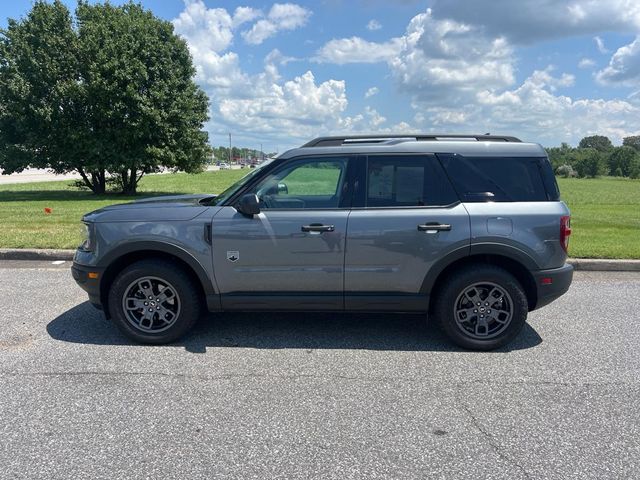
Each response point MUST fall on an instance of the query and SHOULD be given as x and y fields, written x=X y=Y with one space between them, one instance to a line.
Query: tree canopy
x=597 y=142
x=109 y=93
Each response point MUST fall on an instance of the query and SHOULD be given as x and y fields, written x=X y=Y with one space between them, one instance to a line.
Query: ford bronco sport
x=467 y=228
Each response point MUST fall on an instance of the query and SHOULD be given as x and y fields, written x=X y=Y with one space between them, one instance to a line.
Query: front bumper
x=87 y=282
x=552 y=283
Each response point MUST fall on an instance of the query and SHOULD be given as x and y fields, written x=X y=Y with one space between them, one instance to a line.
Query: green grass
x=605 y=211
x=605 y=216
x=23 y=223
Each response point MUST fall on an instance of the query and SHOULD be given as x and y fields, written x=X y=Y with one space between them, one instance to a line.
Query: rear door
x=406 y=217
x=290 y=255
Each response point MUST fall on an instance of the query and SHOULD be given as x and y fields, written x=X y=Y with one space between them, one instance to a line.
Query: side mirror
x=282 y=188
x=249 y=205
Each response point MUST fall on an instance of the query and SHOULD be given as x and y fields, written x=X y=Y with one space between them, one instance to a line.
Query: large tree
x=597 y=142
x=110 y=95
x=633 y=142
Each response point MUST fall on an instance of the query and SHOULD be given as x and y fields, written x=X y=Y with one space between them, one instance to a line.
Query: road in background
x=316 y=396
x=32 y=175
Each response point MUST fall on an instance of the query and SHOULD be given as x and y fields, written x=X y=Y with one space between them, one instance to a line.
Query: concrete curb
x=605 y=265
x=584 y=264
x=35 y=254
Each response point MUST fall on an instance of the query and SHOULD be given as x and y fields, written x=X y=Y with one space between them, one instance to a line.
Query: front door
x=291 y=254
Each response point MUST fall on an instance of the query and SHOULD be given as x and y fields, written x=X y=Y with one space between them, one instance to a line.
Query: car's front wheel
x=481 y=307
x=154 y=301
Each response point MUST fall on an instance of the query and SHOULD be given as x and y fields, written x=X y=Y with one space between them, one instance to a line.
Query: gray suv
x=467 y=228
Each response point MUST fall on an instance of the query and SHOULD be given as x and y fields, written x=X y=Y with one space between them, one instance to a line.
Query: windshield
x=239 y=184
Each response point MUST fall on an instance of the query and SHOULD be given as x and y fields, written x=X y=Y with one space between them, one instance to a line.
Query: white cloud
x=458 y=73
x=624 y=66
x=375 y=119
x=371 y=92
x=435 y=60
x=296 y=107
x=263 y=106
x=534 y=112
x=244 y=15
x=600 y=44
x=282 y=16
x=207 y=29
x=357 y=50
x=276 y=57
x=528 y=21
x=443 y=61
x=374 y=25
x=586 y=63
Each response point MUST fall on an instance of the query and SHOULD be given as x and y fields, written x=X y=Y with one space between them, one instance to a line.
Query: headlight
x=88 y=237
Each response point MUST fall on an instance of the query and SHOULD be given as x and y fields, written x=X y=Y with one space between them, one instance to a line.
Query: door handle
x=434 y=227
x=318 y=227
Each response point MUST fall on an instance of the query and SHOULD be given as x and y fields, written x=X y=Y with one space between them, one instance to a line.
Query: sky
x=279 y=74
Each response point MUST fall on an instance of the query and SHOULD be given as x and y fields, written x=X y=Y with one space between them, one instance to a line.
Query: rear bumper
x=552 y=283
x=80 y=274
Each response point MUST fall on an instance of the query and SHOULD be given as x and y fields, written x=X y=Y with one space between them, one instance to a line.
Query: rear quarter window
x=499 y=179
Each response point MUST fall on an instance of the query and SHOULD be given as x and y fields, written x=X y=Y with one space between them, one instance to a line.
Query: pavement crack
x=490 y=439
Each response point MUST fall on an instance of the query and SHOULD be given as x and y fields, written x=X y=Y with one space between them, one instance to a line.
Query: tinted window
x=496 y=179
x=407 y=181
x=309 y=183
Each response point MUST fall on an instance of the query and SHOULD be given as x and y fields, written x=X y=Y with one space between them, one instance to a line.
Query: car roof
x=469 y=145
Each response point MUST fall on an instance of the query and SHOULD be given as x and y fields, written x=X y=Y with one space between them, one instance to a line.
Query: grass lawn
x=23 y=223
x=605 y=216
x=605 y=211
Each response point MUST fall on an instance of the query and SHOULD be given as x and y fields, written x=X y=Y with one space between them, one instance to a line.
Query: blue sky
x=280 y=73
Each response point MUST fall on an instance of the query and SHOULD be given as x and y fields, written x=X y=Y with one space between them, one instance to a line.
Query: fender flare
x=476 y=249
x=151 y=246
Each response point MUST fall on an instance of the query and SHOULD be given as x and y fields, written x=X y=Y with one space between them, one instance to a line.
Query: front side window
x=407 y=181
x=304 y=184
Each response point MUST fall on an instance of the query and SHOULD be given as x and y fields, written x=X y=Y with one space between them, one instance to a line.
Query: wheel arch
x=118 y=259
x=513 y=264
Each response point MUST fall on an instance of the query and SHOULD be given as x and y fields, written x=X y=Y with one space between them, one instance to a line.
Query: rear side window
x=497 y=179
x=407 y=181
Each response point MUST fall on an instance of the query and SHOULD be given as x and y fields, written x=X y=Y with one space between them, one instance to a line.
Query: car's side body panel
x=532 y=228
x=388 y=255
x=256 y=257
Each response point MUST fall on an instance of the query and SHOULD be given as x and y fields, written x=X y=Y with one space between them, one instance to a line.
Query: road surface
x=261 y=396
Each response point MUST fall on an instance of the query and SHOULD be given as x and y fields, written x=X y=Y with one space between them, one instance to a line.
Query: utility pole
x=261 y=154
x=229 y=148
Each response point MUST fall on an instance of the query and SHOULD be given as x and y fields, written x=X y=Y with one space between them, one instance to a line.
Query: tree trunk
x=130 y=181
x=97 y=182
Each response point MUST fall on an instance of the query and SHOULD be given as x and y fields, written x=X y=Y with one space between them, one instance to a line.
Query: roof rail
x=361 y=139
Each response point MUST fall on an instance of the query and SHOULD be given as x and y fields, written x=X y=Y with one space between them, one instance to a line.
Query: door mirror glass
x=249 y=205
x=283 y=189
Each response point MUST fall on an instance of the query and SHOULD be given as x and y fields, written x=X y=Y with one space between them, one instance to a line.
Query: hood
x=168 y=208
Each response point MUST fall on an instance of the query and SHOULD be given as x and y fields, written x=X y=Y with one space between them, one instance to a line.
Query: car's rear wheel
x=481 y=307
x=154 y=301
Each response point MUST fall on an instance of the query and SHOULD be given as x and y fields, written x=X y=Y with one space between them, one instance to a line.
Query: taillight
x=565 y=232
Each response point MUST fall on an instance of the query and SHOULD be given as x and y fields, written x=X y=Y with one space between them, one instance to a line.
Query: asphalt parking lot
x=318 y=396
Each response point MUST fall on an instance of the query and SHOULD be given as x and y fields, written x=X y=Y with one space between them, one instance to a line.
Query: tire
x=463 y=300
x=142 y=317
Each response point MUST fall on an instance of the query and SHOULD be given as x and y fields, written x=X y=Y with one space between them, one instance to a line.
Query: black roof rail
x=360 y=139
